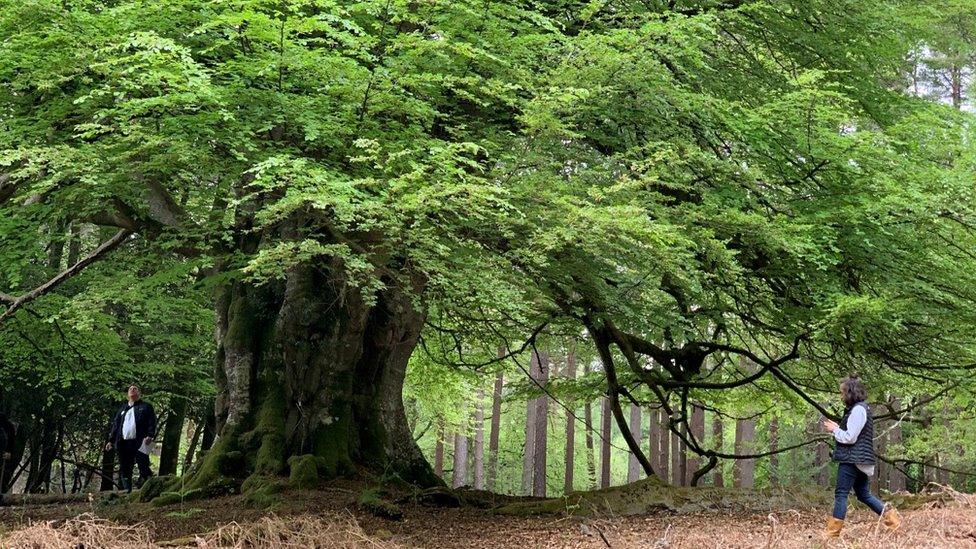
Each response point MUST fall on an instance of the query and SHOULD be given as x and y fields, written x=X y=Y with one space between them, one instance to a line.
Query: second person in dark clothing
x=133 y=425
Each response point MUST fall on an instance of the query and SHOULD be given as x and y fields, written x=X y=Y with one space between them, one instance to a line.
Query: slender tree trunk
x=570 y=457
x=743 y=470
x=311 y=366
x=541 y=432
x=634 y=468
x=956 y=86
x=172 y=436
x=717 y=444
x=653 y=441
x=528 y=455
x=209 y=429
x=439 y=450
x=896 y=479
x=683 y=457
x=192 y=447
x=590 y=448
x=605 y=442
x=664 y=445
x=479 y=441
x=882 y=470
x=773 y=446
x=698 y=430
x=460 y=472
x=677 y=476
x=496 y=423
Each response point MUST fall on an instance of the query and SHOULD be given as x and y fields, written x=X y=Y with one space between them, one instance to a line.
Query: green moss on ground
x=303 y=472
x=373 y=501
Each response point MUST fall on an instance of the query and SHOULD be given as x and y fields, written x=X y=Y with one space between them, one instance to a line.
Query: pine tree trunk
x=634 y=468
x=496 y=423
x=479 y=441
x=309 y=366
x=460 y=472
x=605 y=443
x=570 y=457
x=539 y=476
x=717 y=442
x=169 y=454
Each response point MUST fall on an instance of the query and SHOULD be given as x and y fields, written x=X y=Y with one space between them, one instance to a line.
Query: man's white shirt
x=129 y=424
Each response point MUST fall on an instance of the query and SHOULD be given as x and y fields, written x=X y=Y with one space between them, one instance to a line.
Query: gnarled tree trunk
x=311 y=366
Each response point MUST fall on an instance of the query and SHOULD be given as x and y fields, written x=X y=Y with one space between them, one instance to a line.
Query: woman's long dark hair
x=852 y=390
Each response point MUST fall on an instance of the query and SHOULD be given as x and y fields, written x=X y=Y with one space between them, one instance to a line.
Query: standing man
x=133 y=426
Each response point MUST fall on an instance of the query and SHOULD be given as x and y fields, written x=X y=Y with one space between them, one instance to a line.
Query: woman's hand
x=829 y=425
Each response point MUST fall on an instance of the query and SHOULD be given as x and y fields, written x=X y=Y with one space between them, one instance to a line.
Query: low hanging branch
x=15 y=303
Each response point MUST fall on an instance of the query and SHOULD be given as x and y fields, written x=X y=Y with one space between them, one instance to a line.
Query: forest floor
x=335 y=517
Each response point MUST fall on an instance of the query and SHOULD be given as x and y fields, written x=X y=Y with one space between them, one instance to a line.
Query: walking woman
x=854 y=454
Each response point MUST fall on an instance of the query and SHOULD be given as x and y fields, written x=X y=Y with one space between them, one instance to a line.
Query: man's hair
x=852 y=390
x=136 y=387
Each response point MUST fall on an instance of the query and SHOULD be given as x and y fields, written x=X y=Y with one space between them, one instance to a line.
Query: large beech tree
x=692 y=183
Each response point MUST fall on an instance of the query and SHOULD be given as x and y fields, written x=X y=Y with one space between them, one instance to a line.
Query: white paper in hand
x=146 y=447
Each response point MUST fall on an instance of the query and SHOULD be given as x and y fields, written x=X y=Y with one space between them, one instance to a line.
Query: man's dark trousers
x=130 y=455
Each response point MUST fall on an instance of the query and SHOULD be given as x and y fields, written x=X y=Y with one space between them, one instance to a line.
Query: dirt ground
x=337 y=508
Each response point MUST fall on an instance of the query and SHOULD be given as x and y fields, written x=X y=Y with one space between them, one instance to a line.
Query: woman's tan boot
x=834 y=526
x=891 y=518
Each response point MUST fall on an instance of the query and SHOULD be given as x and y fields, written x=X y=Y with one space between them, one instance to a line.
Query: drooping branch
x=15 y=303
x=602 y=342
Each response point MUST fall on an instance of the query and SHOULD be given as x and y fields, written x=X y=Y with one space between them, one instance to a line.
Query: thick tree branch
x=14 y=303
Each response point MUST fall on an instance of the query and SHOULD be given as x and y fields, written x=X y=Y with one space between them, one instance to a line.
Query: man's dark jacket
x=145 y=422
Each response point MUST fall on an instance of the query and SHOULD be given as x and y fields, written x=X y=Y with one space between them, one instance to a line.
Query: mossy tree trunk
x=310 y=366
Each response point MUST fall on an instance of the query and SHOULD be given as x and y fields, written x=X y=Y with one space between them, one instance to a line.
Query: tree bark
x=634 y=468
x=169 y=453
x=896 y=479
x=698 y=430
x=773 y=458
x=459 y=476
x=653 y=440
x=496 y=423
x=664 y=445
x=570 y=457
x=683 y=457
x=192 y=447
x=605 y=443
x=439 y=450
x=479 y=441
x=590 y=447
x=528 y=454
x=312 y=366
x=209 y=429
x=743 y=470
x=539 y=476
x=717 y=442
